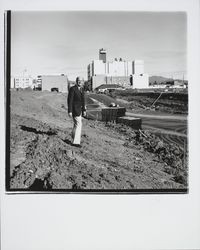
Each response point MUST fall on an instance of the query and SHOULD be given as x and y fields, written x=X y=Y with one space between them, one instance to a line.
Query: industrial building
x=43 y=82
x=54 y=82
x=125 y=73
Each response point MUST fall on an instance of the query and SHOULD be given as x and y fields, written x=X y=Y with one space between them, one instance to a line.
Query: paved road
x=171 y=128
x=158 y=116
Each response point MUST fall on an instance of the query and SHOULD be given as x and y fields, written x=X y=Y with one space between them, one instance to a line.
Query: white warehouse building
x=52 y=82
x=126 y=73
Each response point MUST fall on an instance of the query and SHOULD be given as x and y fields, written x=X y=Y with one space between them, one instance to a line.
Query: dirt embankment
x=112 y=156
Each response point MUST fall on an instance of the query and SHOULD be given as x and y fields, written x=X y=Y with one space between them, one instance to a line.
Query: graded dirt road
x=112 y=157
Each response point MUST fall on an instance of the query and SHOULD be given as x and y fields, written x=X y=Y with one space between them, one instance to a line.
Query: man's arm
x=70 y=99
x=83 y=101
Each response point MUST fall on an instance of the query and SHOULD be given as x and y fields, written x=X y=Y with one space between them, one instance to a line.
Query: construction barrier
x=94 y=115
x=133 y=122
x=111 y=114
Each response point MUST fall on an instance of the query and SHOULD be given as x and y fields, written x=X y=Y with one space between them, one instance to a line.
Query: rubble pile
x=173 y=156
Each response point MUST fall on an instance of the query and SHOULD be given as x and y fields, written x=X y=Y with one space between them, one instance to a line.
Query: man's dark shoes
x=77 y=145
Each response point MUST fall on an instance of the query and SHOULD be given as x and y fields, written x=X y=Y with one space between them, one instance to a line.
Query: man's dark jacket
x=76 y=101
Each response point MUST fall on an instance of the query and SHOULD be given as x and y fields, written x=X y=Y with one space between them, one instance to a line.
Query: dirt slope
x=111 y=157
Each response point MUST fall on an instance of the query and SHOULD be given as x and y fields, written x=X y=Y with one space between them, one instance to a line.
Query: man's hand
x=70 y=114
x=84 y=113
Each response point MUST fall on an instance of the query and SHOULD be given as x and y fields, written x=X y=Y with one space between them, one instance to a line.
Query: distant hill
x=159 y=79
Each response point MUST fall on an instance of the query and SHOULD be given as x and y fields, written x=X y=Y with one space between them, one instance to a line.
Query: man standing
x=76 y=108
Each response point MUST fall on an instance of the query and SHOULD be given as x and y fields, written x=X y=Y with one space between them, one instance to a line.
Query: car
x=54 y=89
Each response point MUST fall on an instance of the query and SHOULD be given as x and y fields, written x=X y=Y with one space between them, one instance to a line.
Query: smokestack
x=102 y=55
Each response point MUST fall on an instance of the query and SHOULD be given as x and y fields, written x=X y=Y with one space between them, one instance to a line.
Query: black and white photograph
x=97 y=101
x=100 y=125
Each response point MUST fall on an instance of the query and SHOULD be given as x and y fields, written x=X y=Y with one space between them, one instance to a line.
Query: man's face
x=80 y=82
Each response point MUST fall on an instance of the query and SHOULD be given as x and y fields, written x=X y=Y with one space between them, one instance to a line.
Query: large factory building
x=125 y=73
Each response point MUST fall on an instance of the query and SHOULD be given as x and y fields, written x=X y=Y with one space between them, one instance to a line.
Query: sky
x=66 y=42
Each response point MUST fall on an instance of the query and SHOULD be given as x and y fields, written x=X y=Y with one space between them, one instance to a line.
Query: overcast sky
x=66 y=42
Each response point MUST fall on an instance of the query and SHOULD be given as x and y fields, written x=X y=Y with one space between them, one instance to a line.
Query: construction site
x=130 y=141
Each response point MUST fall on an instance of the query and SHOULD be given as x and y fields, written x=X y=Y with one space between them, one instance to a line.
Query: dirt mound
x=173 y=156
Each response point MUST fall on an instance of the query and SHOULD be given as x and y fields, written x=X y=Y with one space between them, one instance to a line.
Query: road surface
x=168 y=127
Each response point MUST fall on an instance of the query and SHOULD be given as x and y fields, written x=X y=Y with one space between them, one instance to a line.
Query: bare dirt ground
x=112 y=156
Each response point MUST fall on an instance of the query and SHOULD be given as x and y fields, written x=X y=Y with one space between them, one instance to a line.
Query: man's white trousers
x=76 y=131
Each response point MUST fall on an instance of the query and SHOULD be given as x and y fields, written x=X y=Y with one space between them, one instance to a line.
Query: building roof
x=109 y=86
x=62 y=75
